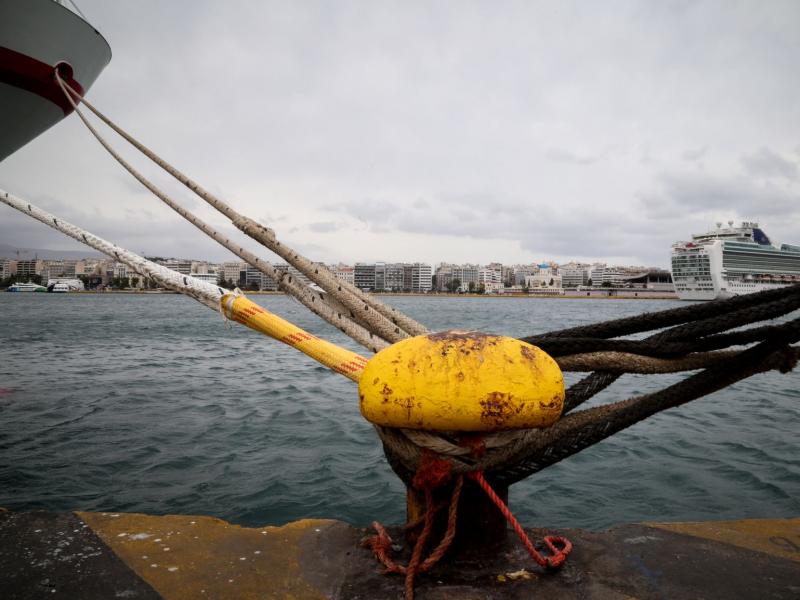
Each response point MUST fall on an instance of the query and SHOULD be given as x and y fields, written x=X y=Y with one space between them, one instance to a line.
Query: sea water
x=152 y=403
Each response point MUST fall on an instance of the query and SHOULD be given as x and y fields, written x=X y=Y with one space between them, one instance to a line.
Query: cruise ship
x=730 y=261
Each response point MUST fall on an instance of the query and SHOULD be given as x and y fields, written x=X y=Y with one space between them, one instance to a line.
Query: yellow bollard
x=461 y=381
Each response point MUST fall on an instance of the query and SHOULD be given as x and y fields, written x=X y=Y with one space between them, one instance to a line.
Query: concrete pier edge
x=127 y=555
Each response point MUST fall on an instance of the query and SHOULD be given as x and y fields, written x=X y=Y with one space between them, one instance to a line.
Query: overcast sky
x=436 y=131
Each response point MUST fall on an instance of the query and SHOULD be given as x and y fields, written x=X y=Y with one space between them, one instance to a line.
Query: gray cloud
x=566 y=156
x=329 y=125
x=324 y=226
x=766 y=163
x=695 y=154
x=693 y=191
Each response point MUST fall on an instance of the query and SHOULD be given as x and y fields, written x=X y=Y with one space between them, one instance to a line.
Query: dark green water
x=150 y=404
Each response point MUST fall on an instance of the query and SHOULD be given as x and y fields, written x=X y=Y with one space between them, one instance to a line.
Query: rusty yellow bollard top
x=462 y=381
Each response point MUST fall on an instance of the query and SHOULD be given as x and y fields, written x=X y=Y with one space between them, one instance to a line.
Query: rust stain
x=527 y=353
x=497 y=407
x=460 y=376
x=407 y=403
x=554 y=404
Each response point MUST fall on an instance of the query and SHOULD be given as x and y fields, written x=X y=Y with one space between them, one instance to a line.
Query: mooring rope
x=513 y=455
x=317 y=302
x=234 y=305
x=380 y=318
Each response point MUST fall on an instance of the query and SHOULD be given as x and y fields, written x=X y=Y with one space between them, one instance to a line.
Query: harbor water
x=152 y=403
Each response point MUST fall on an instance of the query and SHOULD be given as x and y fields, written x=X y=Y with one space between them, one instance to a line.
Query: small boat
x=58 y=288
x=36 y=37
x=26 y=287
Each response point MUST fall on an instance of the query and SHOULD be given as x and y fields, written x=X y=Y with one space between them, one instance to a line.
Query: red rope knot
x=432 y=472
x=474 y=442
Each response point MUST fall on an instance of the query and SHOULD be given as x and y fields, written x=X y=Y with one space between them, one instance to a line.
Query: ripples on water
x=151 y=404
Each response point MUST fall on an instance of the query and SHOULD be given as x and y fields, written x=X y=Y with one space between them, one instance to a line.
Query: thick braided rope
x=234 y=305
x=668 y=318
x=625 y=362
x=205 y=292
x=517 y=454
x=557 y=347
x=363 y=305
x=316 y=302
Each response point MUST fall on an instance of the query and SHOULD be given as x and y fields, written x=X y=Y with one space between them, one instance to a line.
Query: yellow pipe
x=245 y=311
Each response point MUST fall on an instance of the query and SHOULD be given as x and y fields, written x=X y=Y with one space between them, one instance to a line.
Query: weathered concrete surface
x=49 y=555
x=96 y=556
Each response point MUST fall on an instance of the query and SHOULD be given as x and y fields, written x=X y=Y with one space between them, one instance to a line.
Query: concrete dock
x=96 y=556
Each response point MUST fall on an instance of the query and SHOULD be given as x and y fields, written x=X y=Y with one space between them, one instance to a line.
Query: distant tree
x=453 y=285
x=589 y=282
x=37 y=279
x=481 y=288
x=551 y=282
x=125 y=282
x=230 y=285
x=471 y=287
x=134 y=282
x=606 y=284
x=253 y=287
x=525 y=289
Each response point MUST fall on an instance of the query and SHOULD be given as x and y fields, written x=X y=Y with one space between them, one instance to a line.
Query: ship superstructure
x=730 y=261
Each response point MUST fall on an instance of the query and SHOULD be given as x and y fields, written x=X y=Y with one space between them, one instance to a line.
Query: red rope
x=559 y=555
x=433 y=472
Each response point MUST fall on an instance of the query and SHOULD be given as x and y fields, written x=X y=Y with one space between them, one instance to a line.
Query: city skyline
x=582 y=131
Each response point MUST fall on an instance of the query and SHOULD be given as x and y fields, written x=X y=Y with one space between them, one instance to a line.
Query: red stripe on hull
x=36 y=77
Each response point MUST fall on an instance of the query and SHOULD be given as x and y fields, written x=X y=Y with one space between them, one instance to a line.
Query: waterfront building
x=522 y=272
x=394 y=277
x=442 y=277
x=364 y=276
x=54 y=269
x=184 y=267
x=650 y=279
x=26 y=269
x=447 y=274
x=417 y=278
x=253 y=278
x=234 y=272
x=7 y=268
x=507 y=275
x=343 y=272
x=380 y=276
x=574 y=275
x=544 y=278
x=466 y=274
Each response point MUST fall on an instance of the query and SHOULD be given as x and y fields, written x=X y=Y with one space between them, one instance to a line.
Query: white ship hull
x=35 y=36
x=732 y=262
